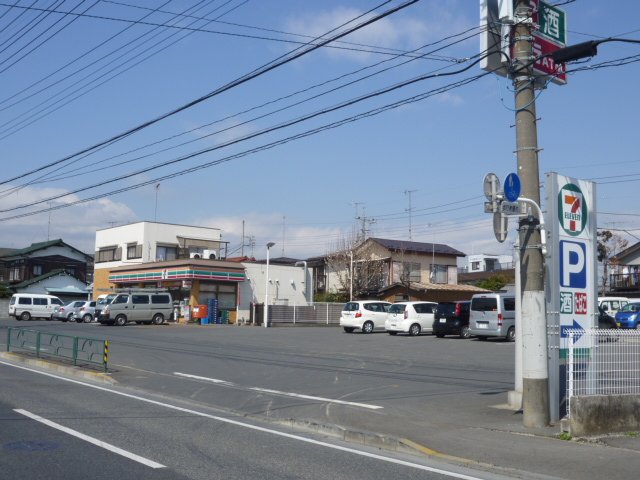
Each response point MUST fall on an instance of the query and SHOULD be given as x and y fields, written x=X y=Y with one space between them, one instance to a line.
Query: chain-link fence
x=602 y=362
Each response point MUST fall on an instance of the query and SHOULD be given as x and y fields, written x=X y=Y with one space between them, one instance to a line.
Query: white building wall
x=149 y=235
x=288 y=286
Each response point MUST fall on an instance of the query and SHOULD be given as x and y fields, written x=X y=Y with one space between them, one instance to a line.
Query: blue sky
x=305 y=194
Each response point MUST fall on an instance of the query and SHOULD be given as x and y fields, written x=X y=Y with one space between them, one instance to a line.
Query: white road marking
x=230 y=421
x=278 y=392
x=95 y=441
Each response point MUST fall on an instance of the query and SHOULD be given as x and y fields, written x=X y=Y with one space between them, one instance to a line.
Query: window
x=423 y=308
x=438 y=273
x=482 y=304
x=475 y=266
x=120 y=299
x=509 y=304
x=109 y=254
x=39 y=301
x=14 y=274
x=37 y=270
x=24 y=301
x=166 y=253
x=140 y=299
x=134 y=251
x=160 y=299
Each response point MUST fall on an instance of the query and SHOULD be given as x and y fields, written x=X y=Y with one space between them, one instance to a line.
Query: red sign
x=546 y=65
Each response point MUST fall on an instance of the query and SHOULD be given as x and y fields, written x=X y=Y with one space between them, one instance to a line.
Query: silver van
x=25 y=306
x=493 y=315
x=140 y=306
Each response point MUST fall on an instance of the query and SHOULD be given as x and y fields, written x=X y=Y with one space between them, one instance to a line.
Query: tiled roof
x=417 y=247
x=39 y=278
x=440 y=287
x=34 y=247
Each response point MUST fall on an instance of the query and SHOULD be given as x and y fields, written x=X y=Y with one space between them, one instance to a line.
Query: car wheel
x=367 y=327
x=25 y=316
x=511 y=334
x=87 y=318
x=121 y=320
x=440 y=335
x=392 y=333
x=69 y=317
x=464 y=332
x=349 y=329
x=158 y=319
x=414 y=330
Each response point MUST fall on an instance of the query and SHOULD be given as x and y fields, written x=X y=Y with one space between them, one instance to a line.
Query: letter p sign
x=573 y=264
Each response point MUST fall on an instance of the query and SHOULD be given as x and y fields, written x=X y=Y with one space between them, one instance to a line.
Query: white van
x=140 y=306
x=25 y=306
x=493 y=315
x=611 y=305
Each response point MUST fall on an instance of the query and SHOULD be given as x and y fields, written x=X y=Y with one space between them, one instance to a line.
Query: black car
x=452 y=318
x=605 y=320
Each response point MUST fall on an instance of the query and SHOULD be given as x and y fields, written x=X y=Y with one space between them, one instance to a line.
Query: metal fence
x=76 y=349
x=309 y=314
x=602 y=362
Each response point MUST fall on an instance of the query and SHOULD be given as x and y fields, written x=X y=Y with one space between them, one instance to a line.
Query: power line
x=260 y=148
x=265 y=68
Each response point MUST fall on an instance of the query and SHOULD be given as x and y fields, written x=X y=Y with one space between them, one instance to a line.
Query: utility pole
x=409 y=192
x=364 y=230
x=535 y=394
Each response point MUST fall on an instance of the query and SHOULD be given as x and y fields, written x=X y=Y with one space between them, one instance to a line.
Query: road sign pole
x=535 y=377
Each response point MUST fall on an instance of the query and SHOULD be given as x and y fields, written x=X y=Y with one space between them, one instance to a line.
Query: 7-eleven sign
x=572 y=209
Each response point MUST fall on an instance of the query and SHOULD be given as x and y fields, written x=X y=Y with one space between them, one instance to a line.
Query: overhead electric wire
x=391 y=51
x=108 y=166
x=8 y=9
x=30 y=25
x=263 y=147
x=45 y=40
x=16 y=18
x=265 y=68
x=101 y=79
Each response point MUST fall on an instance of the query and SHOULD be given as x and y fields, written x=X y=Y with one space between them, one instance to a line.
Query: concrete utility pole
x=535 y=381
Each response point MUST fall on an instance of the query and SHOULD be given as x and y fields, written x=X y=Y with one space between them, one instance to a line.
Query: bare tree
x=356 y=268
x=609 y=245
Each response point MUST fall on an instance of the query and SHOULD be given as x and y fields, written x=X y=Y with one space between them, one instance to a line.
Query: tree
x=493 y=283
x=356 y=268
x=5 y=292
x=609 y=245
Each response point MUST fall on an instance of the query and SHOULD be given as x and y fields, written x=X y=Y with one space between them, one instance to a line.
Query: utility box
x=199 y=311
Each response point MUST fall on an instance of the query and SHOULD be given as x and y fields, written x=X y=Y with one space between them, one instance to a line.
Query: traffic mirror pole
x=535 y=377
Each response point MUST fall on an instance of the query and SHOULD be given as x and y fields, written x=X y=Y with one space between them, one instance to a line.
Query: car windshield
x=631 y=307
x=484 y=304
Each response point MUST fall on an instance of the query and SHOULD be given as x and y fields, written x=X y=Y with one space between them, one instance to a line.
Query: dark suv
x=452 y=318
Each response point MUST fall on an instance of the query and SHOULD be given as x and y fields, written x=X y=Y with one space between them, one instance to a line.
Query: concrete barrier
x=602 y=414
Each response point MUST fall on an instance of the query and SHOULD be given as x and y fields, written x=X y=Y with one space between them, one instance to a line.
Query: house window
x=475 y=266
x=109 y=254
x=439 y=274
x=166 y=253
x=14 y=274
x=134 y=251
x=37 y=270
x=406 y=272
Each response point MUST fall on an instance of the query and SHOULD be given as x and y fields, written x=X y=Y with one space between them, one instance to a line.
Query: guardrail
x=77 y=349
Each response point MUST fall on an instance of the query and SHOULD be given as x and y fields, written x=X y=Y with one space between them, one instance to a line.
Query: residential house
x=47 y=267
x=624 y=273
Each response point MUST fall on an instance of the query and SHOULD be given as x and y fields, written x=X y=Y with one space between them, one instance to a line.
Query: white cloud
x=75 y=225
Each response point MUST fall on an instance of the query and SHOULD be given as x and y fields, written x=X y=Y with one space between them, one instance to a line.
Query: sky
x=301 y=153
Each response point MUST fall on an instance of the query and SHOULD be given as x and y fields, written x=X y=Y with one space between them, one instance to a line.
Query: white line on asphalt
x=237 y=423
x=278 y=392
x=95 y=441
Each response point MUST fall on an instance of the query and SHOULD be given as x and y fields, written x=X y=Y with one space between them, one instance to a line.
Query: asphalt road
x=54 y=427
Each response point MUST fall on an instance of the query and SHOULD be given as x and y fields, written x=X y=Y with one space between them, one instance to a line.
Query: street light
x=266 y=288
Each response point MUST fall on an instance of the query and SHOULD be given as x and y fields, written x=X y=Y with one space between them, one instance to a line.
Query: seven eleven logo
x=572 y=209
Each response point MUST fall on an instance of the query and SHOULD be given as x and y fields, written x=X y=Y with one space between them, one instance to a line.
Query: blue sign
x=577 y=334
x=573 y=264
x=512 y=187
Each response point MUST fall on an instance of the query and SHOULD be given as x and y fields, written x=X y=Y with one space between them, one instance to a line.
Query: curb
x=68 y=370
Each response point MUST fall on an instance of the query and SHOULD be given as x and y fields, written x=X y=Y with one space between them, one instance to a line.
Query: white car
x=365 y=315
x=410 y=317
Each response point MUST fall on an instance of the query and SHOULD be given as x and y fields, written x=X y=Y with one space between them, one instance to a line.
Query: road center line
x=257 y=428
x=278 y=392
x=95 y=441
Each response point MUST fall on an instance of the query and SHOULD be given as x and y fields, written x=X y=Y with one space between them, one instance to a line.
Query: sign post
x=571 y=277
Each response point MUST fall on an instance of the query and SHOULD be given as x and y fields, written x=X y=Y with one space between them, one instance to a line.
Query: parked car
x=605 y=320
x=65 y=313
x=410 y=317
x=629 y=316
x=611 y=305
x=86 y=313
x=452 y=318
x=493 y=315
x=140 y=306
x=365 y=315
x=103 y=301
x=25 y=306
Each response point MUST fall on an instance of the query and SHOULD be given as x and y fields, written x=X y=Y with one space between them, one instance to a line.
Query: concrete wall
x=4 y=308
x=602 y=414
